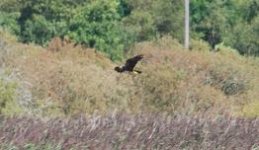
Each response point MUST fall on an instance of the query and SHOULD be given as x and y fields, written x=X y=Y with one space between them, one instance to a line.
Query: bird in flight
x=130 y=64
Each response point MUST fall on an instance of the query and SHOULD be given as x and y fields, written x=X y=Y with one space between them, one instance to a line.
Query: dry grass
x=131 y=132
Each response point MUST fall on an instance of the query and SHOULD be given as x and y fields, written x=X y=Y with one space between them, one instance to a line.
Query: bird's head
x=118 y=69
x=140 y=56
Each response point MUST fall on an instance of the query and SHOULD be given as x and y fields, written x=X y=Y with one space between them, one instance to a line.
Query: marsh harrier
x=130 y=64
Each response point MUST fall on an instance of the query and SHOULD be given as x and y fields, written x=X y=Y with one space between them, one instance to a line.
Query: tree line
x=112 y=26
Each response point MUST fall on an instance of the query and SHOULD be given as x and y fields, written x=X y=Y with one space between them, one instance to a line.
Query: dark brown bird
x=130 y=64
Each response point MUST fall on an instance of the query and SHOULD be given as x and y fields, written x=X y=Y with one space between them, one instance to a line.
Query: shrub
x=6 y=37
x=200 y=45
x=251 y=109
x=159 y=87
x=76 y=80
x=8 y=21
x=231 y=82
x=8 y=103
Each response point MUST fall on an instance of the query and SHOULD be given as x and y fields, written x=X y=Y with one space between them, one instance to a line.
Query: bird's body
x=130 y=64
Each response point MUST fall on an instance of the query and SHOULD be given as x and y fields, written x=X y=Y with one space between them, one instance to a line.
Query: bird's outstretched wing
x=131 y=63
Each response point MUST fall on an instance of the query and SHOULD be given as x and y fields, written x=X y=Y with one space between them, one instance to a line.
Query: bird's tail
x=137 y=71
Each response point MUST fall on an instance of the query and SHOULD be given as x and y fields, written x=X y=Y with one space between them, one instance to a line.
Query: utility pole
x=187 y=25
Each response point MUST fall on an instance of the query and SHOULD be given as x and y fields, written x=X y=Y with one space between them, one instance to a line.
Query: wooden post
x=187 y=25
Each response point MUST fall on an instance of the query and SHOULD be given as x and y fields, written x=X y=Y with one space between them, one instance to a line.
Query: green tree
x=243 y=33
x=251 y=10
x=154 y=18
x=41 y=20
x=208 y=20
x=97 y=25
x=245 y=37
x=10 y=6
x=37 y=30
x=8 y=21
x=233 y=22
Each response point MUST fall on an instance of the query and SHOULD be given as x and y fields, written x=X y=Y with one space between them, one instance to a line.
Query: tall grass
x=121 y=131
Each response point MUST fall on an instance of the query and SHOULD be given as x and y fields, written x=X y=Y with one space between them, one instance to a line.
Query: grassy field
x=198 y=99
x=130 y=132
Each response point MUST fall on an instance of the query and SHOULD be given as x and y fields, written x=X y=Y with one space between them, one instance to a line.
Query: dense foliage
x=112 y=26
x=232 y=22
x=91 y=23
